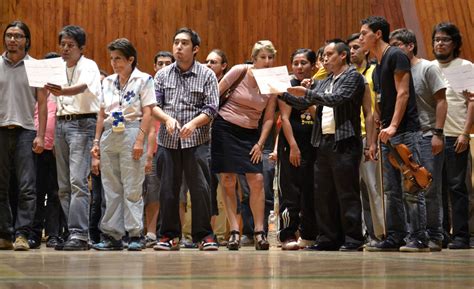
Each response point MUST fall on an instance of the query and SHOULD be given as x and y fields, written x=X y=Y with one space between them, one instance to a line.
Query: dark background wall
x=232 y=25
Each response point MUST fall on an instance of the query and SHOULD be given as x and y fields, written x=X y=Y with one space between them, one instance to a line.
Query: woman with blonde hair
x=237 y=141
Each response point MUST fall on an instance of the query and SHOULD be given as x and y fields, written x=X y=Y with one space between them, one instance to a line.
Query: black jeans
x=336 y=191
x=171 y=163
x=49 y=217
x=16 y=152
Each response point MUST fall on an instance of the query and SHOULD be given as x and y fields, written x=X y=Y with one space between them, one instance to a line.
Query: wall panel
x=227 y=24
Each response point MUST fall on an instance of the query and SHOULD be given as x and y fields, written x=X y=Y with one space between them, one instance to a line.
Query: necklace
x=121 y=91
x=384 y=51
x=69 y=80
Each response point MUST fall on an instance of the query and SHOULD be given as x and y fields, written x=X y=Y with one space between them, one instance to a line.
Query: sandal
x=234 y=241
x=261 y=242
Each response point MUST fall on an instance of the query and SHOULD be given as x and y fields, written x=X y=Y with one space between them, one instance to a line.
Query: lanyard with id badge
x=118 y=124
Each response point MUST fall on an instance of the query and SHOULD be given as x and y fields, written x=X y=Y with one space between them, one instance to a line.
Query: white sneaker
x=302 y=243
x=290 y=245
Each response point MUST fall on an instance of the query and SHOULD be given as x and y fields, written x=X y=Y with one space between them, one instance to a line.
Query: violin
x=416 y=177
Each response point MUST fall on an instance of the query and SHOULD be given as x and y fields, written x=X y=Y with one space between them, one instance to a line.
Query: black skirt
x=231 y=146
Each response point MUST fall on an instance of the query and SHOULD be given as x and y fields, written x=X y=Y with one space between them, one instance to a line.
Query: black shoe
x=351 y=247
x=387 y=245
x=76 y=245
x=34 y=243
x=109 y=244
x=458 y=244
x=53 y=241
x=322 y=247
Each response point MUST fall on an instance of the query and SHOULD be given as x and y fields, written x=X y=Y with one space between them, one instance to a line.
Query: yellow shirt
x=368 y=76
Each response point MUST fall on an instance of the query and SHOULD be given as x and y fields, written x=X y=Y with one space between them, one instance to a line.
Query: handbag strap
x=236 y=82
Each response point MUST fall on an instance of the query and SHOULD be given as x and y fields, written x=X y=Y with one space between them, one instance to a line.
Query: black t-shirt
x=395 y=60
x=302 y=126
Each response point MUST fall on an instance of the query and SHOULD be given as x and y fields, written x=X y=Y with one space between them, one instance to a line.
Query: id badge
x=118 y=125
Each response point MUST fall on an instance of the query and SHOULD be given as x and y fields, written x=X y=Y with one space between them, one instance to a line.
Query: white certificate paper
x=460 y=78
x=40 y=72
x=272 y=80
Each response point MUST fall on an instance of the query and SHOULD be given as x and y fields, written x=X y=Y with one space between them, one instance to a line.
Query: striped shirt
x=184 y=96
x=345 y=99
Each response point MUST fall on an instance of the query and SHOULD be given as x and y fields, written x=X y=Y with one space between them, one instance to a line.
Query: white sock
x=151 y=235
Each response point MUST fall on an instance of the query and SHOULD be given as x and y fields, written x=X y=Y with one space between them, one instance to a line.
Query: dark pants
x=171 y=163
x=49 y=217
x=245 y=210
x=336 y=191
x=16 y=151
x=296 y=195
x=97 y=208
x=455 y=191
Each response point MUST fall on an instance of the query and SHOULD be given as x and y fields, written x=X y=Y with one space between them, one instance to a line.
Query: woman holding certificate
x=122 y=126
x=237 y=142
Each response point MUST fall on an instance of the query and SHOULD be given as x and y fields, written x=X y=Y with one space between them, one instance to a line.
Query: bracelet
x=260 y=146
x=141 y=129
x=468 y=136
x=95 y=142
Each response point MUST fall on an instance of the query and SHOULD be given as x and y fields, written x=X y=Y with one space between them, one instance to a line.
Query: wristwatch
x=438 y=131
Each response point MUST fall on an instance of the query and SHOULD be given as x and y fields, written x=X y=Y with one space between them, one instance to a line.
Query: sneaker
x=384 y=246
x=187 y=244
x=415 y=246
x=303 y=243
x=21 y=244
x=290 y=245
x=149 y=241
x=209 y=243
x=34 y=243
x=458 y=244
x=75 y=245
x=167 y=244
x=108 y=244
x=435 y=246
x=134 y=244
x=53 y=241
x=6 y=244
x=246 y=241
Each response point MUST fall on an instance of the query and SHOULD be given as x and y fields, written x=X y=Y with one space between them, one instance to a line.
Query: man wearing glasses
x=18 y=136
x=447 y=42
x=77 y=105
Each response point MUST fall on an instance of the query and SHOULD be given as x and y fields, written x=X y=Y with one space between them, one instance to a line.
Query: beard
x=441 y=57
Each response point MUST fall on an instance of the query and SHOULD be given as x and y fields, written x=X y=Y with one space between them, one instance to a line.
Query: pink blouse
x=245 y=105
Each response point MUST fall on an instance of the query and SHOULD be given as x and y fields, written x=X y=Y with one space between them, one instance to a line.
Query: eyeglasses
x=211 y=61
x=15 y=36
x=442 y=40
x=67 y=45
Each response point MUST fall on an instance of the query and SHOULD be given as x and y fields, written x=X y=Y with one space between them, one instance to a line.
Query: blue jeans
x=73 y=143
x=16 y=152
x=433 y=195
x=455 y=168
x=397 y=199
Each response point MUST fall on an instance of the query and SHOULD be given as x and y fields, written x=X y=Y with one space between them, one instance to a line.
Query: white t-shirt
x=457 y=105
x=87 y=72
x=137 y=93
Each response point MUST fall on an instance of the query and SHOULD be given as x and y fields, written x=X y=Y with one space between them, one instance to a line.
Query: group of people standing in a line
x=192 y=126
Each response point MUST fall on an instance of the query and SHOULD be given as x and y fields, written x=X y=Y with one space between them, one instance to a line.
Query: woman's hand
x=137 y=151
x=256 y=154
x=295 y=156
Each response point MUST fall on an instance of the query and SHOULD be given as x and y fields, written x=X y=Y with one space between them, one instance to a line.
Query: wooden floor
x=247 y=268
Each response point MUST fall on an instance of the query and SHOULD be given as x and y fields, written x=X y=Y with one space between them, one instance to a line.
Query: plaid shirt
x=184 y=96
x=345 y=98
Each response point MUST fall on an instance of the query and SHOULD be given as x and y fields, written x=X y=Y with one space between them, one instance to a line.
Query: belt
x=10 y=127
x=69 y=117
